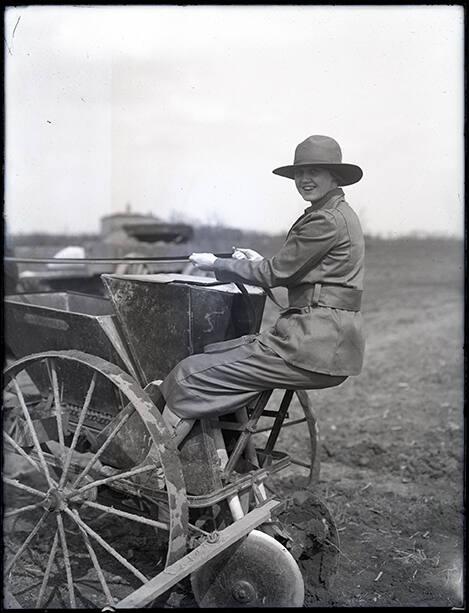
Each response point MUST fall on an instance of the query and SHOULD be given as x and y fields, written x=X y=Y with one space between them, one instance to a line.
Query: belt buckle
x=316 y=294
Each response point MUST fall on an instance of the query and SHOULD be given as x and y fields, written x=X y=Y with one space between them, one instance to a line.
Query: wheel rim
x=59 y=522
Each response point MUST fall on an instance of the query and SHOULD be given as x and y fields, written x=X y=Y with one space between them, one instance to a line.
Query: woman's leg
x=179 y=427
x=214 y=384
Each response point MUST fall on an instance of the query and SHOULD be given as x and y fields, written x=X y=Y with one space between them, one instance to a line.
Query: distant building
x=112 y=226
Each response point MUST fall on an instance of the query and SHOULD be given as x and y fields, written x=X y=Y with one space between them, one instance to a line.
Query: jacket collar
x=326 y=200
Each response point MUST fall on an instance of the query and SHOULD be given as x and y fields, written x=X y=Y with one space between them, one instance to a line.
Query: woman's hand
x=240 y=253
x=204 y=261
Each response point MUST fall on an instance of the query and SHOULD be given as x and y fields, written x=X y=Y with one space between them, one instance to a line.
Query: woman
x=317 y=342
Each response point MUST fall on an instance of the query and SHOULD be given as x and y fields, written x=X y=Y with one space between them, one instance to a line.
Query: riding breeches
x=222 y=381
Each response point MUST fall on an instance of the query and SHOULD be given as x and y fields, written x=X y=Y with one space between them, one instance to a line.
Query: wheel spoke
x=33 y=432
x=286 y=424
x=76 y=517
x=97 y=567
x=50 y=561
x=55 y=592
x=27 y=588
x=131 y=516
x=22 y=486
x=58 y=406
x=299 y=462
x=29 y=507
x=22 y=452
x=124 y=475
x=101 y=450
x=68 y=568
x=30 y=537
x=77 y=432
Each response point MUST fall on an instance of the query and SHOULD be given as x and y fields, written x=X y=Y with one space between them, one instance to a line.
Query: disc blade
x=257 y=571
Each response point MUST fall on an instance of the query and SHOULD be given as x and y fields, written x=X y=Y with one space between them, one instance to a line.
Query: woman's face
x=313 y=182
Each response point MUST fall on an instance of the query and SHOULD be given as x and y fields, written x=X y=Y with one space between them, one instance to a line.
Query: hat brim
x=348 y=174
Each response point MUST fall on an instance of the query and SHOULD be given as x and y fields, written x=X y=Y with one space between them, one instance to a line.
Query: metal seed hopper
x=101 y=509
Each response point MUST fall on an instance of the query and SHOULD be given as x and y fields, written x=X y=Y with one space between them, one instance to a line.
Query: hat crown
x=318 y=150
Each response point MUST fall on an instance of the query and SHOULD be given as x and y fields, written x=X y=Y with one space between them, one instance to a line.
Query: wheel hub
x=244 y=592
x=55 y=500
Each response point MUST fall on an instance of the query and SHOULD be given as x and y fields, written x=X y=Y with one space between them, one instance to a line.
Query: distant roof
x=148 y=216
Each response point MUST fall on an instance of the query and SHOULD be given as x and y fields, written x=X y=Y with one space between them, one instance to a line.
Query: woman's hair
x=335 y=176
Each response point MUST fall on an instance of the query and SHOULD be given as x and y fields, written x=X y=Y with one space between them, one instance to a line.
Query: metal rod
x=100 y=451
x=76 y=434
x=128 y=473
x=282 y=412
x=32 y=431
x=58 y=406
x=137 y=260
x=29 y=507
x=287 y=424
x=235 y=506
x=21 y=486
x=244 y=436
x=198 y=530
x=242 y=417
x=22 y=452
x=310 y=415
x=55 y=592
x=300 y=463
x=131 y=516
x=28 y=588
x=50 y=561
x=97 y=568
x=68 y=567
x=76 y=517
x=30 y=537
x=233 y=499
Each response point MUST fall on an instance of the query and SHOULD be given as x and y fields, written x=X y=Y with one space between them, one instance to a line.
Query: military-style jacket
x=321 y=264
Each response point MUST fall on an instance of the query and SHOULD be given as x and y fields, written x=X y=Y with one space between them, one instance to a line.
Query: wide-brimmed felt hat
x=323 y=152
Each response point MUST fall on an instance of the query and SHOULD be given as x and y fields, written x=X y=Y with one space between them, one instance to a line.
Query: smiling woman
x=313 y=183
x=317 y=342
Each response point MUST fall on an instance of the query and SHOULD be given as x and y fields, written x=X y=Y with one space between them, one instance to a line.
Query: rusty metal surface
x=163 y=447
x=199 y=461
x=63 y=321
x=165 y=322
x=241 y=482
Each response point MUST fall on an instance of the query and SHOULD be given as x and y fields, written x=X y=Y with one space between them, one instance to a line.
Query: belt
x=334 y=296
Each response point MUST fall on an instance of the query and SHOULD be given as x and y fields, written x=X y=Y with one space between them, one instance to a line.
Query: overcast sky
x=185 y=112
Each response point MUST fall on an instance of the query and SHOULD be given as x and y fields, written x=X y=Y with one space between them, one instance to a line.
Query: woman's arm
x=303 y=250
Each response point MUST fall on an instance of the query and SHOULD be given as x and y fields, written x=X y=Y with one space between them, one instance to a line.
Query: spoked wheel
x=94 y=497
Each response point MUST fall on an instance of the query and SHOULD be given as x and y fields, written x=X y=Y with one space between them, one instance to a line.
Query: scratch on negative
x=209 y=316
x=14 y=29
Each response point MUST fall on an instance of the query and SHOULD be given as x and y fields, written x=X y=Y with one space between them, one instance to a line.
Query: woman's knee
x=321 y=381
